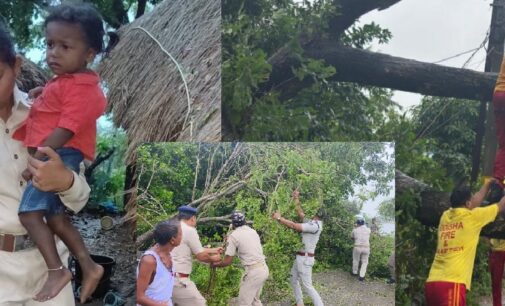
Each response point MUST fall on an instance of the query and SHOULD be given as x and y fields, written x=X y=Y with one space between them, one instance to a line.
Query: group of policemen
x=244 y=242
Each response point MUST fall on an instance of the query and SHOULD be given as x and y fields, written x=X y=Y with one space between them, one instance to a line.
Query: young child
x=63 y=117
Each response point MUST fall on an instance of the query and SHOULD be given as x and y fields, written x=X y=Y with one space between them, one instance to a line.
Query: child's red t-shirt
x=70 y=101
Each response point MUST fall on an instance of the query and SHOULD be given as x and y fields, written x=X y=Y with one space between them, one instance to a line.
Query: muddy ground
x=116 y=243
x=340 y=288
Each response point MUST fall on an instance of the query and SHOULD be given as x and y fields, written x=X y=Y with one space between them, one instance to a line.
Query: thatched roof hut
x=146 y=93
x=31 y=76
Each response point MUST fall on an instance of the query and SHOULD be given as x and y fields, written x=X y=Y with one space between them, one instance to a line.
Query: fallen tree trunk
x=376 y=69
x=434 y=203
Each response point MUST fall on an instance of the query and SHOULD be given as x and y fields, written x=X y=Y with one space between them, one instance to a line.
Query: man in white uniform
x=185 y=291
x=361 y=251
x=245 y=243
x=305 y=258
x=22 y=268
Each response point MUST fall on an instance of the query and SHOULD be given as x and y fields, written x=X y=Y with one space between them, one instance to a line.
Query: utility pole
x=486 y=117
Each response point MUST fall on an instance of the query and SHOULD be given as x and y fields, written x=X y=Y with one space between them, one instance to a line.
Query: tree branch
x=234 y=154
x=404 y=183
x=141 y=8
x=350 y=10
x=213 y=196
x=434 y=203
x=376 y=69
x=209 y=171
x=99 y=159
x=196 y=172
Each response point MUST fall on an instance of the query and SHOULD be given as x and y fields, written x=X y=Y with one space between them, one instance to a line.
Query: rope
x=181 y=73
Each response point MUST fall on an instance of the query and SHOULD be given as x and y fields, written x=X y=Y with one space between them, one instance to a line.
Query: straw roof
x=146 y=93
x=31 y=76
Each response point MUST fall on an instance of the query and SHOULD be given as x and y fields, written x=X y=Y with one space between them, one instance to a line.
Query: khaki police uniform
x=245 y=243
x=361 y=250
x=302 y=267
x=23 y=272
x=185 y=291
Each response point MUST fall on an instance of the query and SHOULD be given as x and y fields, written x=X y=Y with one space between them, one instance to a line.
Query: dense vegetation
x=253 y=31
x=258 y=178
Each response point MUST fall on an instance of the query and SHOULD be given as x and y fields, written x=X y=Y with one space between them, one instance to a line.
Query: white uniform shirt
x=182 y=255
x=245 y=242
x=22 y=273
x=361 y=236
x=311 y=230
x=13 y=160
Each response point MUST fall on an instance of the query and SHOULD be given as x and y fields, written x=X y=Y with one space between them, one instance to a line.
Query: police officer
x=185 y=292
x=245 y=243
x=374 y=227
x=305 y=258
x=361 y=251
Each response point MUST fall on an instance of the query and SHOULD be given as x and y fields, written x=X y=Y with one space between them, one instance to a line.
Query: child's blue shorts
x=36 y=200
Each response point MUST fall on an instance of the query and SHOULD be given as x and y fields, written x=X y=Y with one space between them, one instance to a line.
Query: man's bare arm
x=288 y=223
x=209 y=255
x=296 y=198
x=480 y=195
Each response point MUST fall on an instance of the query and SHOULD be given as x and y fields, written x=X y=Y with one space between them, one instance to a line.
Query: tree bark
x=434 y=203
x=493 y=62
x=382 y=70
x=141 y=8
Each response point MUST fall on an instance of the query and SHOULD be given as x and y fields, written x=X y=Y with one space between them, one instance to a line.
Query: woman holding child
x=54 y=134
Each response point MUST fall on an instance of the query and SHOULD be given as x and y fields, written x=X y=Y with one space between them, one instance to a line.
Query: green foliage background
x=107 y=180
x=25 y=17
x=253 y=31
x=326 y=175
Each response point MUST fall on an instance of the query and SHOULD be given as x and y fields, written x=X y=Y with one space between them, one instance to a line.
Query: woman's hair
x=165 y=231
x=7 y=53
x=90 y=21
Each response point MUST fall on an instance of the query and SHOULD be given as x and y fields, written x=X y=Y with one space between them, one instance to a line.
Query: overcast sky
x=371 y=207
x=432 y=30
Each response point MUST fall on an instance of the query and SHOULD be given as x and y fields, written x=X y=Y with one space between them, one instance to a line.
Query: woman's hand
x=50 y=175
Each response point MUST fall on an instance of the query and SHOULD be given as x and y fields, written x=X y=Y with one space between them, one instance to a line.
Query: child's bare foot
x=90 y=279
x=57 y=279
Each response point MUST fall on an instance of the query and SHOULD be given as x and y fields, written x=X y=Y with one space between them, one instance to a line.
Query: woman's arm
x=147 y=268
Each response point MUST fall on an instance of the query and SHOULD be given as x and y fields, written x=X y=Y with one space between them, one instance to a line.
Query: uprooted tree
x=318 y=74
x=258 y=178
x=320 y=71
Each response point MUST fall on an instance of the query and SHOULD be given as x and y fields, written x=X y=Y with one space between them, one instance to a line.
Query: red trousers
x=499 y=114
x=445 y=294
x=496 y=262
